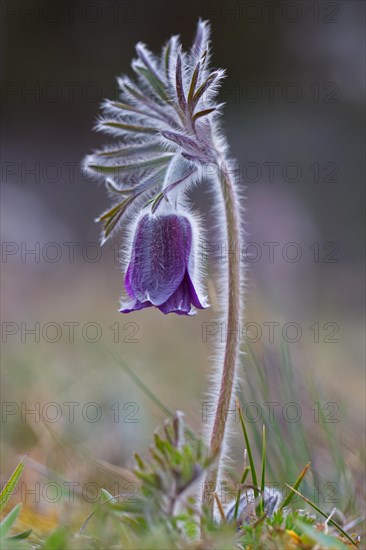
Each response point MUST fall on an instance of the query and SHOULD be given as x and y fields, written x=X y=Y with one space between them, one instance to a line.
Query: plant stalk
x=233 y=308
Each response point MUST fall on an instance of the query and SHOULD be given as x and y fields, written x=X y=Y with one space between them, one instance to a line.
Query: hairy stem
x=233 y=313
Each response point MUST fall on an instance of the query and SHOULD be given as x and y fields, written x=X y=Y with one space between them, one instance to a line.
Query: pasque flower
x=166 y=133
x=161 y=266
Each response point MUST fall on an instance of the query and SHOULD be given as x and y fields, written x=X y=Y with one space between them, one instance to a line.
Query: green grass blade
x=322 y=540
x=258 y=390
x=154 y=398
x=105 y=496
x=20 y=536
x=287 y=500
x=8 y=522
x=249 y=451
x=263 y=472
x=330 y=434
x=259 y=370
x=10 y=485
x=242 y=481
x=334 y=523
x=57 y=540
x=141 y=385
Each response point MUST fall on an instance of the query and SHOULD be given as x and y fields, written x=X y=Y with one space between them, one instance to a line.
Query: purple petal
x=160 y=253
x=128 y=286
x=193 y=294
x=180 y=301
x=134 y=306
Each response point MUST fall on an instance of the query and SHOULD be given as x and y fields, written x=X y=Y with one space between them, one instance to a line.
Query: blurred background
x=294 y=118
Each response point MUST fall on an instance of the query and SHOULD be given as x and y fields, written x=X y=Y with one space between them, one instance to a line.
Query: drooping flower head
x=165 y=123
x=161 y=268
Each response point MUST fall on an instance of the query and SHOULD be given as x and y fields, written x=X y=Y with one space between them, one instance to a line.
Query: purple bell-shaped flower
x=161 y=265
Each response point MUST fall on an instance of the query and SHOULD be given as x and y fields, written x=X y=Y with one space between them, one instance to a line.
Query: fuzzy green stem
x=233 y=313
